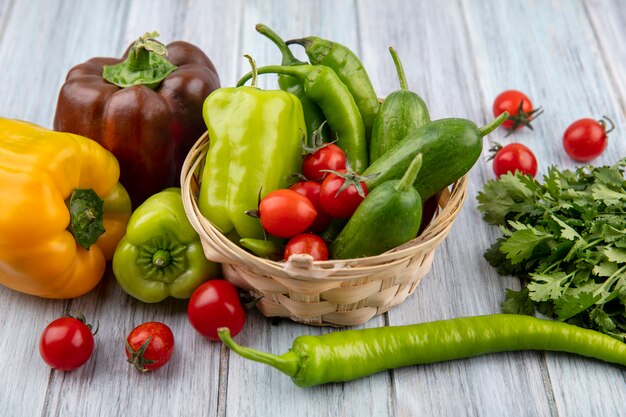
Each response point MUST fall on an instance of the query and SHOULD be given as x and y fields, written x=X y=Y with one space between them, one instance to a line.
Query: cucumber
x=402 y=112
x=389 y=216
x=450 y=148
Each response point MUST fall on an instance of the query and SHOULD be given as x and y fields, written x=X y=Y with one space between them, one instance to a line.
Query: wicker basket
x=326 y=293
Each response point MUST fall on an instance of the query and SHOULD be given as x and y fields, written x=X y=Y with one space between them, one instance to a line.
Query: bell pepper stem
x=255 y=78
x=407 y=180
x=299 y=71
x=399 y=68
x=288 y=363
x=145 y=65
x=490 y=127
x=86 y=216
x=161 y=258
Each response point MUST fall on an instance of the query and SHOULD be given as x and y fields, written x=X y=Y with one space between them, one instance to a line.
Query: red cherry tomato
x=149 y=346
x=216 y=304
x=518 y=105
x=586 y=139
x=341 y=203
x=329 y=157
x=514 y=157
x=307 y=243
x=66 y=343
x=311 y=190
x=286 y=213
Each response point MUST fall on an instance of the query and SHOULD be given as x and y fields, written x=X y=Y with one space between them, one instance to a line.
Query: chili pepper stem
x=407 y=180
x=299 y=72
x=255 y=73
x=288 y=363
x=399 y=69
x=490 y=127
x=288 y=57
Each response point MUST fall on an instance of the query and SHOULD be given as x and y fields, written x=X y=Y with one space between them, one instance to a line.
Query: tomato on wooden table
x=586 y=139
x=216 y=304
x=149 y=346
x=66 y=343
x=513 y=157
x=520 y=109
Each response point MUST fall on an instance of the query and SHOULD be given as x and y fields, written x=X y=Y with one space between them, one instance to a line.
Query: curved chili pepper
x=352 y=354
x=324 y=87
x=350 y=70
x=313 y=115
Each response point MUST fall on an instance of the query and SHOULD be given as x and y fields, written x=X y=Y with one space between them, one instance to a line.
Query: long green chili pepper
x=350 y=70
x=324 y=87
x=313 y=115
x=351 y=354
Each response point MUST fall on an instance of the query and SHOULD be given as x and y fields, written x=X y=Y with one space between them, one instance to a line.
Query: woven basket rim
x=450 y=201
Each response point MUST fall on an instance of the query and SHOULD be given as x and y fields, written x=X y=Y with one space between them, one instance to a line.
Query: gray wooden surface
x=569 y=56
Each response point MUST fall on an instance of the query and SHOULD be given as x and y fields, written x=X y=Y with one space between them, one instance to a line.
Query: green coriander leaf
x=608 y=196
x=615 y=254
x=571 y=304
x=566 y=231
x=520 y=244
x=605 y=269
x=610 y=176
x=602 y=320
x=500 y=196
x=544 y=287
x=517 y=302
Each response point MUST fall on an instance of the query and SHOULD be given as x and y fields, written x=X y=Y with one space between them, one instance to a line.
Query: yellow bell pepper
x=62 y=213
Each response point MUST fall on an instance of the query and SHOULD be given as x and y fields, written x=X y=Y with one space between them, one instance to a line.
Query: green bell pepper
x=255 y=147
x=161 y=254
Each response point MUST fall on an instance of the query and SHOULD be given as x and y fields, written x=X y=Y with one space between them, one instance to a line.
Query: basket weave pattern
x=334 y=292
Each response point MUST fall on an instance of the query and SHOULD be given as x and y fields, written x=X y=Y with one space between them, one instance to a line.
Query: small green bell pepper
x=161 y=254
x=255 y=147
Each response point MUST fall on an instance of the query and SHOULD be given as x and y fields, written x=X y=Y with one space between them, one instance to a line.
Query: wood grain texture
x=458 y=54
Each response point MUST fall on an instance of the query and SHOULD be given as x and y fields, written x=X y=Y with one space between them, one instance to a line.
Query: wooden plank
x=35 y=53
x=109 y=383
x=440 y=67
x=255 y=389
x=559 y=63
x=607 y=21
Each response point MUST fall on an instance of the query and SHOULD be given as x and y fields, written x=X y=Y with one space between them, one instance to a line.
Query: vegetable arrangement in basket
x=365 y=168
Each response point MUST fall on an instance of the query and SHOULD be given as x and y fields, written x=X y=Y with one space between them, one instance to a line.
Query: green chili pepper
x=351 y=354
x=401 y=114
x=161 y=254
x=350 y=70
x=256 y=138
x=264 y=248
x=313 y=115
x=322 y=85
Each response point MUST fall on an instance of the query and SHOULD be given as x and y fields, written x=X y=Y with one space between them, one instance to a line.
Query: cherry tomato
x=286 y=213
x=586 y=139
x=514 y=157
x=149 y=346
x=339 y=196
x=216 y=304
x=330 y=157
x=311 y=190
x=66 y=343
x=518 y=105
x=307 y=243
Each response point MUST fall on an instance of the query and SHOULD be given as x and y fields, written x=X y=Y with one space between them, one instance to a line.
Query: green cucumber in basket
x=402 y=112
x=450 y=148
x=389 y=216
